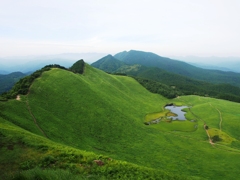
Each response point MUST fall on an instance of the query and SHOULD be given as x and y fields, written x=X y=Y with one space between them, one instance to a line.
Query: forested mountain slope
x=179 y=67
x=8 y=80
x=178 y=83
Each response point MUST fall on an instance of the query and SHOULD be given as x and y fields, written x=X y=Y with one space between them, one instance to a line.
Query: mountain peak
x=108 y=63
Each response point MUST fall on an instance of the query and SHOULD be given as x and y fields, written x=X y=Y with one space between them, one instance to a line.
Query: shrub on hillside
x=216 y=138
x=78 y=67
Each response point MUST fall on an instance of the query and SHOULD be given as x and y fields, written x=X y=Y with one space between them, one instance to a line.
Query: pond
x=178 y=111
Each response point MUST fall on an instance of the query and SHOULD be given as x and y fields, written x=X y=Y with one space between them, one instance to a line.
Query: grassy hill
x=153 y=60
x=70 y=121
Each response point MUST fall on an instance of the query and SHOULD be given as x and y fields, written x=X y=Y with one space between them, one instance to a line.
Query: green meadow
x=68 y=122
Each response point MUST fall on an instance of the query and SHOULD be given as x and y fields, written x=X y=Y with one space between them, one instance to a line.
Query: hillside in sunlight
x=93 y=125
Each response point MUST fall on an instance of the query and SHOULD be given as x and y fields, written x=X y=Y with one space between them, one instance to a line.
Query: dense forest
x=159 y=88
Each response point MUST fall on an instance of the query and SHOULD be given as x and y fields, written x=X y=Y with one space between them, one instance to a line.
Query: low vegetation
x=23 y=85
x=161 y=121
x=91 y=126
x=28 y=156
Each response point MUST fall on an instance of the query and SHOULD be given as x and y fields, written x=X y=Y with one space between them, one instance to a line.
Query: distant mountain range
x=178 y=67
x=27 y=64
x=182 y=76
x=7 y=81
x=212 y=67
x=217 y=63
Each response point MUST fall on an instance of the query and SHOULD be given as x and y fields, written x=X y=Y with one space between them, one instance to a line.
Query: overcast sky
x=166 y=27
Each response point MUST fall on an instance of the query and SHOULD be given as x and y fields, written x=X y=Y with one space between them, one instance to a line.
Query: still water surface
x=178 y=111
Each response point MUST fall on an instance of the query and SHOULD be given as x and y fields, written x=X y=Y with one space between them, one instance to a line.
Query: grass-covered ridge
x=104 y=114
x=23 y=85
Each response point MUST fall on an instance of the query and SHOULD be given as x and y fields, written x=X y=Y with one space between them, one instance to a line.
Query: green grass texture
x=68 y=120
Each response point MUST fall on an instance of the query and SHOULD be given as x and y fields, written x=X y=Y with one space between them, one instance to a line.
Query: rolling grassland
x=92 y=125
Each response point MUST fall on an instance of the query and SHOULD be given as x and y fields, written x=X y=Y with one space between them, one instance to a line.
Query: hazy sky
x=165 y=27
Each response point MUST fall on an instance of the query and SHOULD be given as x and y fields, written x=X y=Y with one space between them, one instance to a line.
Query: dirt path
x=210 y=140
x=34 y=119
x=220 y=116
x=204 y=126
